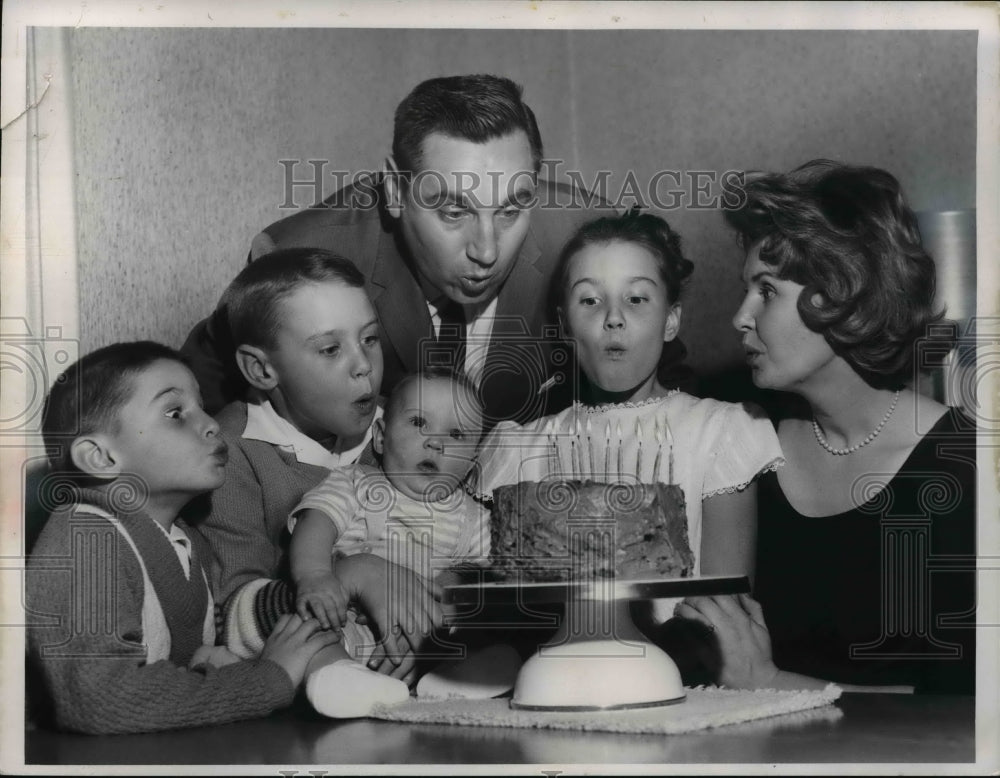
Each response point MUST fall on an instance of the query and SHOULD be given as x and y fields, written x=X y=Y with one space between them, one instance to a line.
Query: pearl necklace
x=821 y=438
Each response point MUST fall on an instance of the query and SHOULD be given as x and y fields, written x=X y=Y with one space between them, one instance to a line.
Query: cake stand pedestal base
x=598 y=660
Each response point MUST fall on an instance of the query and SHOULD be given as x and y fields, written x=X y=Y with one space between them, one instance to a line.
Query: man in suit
x=457 y=240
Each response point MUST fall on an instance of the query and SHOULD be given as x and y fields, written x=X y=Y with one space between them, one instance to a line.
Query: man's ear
x=392 y=187
x=378 y=435
x=256 y=367
x=94 y=455
x=673 y=325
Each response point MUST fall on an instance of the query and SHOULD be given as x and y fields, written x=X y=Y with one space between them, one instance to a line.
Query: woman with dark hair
x=878 y=490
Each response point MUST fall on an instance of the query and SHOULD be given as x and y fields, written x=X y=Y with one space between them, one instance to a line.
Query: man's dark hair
x=251 y=300
x=87 y=397
x=475 y=108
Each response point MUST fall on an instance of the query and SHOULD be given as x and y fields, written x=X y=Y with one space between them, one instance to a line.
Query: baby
x=411 y=511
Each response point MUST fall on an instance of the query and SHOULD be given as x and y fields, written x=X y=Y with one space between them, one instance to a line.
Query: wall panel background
x=179 y=133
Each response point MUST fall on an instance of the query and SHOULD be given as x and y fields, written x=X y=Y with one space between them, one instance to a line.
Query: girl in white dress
x=616 y=292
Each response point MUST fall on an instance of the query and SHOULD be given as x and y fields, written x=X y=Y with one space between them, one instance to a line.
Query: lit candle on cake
x=590 y=452
x=659 y=451
x=621 y=456
x=638 y=452
x=555 y=447
x=670 y=451
x=576 y=458
x=551 y=453
x=607 y=452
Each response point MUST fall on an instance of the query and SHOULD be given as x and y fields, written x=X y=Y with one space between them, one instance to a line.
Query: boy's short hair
x=250 y=303
x=87 y=397
x=431 y=374
x=476 y=108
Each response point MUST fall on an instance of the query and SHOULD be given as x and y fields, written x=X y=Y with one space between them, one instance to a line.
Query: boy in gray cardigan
x=124 y=626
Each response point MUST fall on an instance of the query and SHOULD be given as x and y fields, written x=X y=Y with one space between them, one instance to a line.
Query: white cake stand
x=598 y=659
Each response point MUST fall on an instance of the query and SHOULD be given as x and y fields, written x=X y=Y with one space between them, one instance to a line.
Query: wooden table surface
x=860 y=728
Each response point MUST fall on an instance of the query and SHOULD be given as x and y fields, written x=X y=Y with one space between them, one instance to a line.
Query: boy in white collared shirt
x=308 y=345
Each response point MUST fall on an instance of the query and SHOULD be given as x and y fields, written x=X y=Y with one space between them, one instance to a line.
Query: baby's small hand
x=321 y=595
x=216 y=656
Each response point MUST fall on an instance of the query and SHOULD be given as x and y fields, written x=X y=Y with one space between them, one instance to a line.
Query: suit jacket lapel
x=523 y=295
x=399 y=302
x=520 y=315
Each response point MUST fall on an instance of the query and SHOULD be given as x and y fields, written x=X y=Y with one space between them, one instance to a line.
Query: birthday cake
x=554 y=530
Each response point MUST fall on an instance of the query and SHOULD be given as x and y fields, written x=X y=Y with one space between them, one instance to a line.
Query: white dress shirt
x=478 y=330
x=264 y=423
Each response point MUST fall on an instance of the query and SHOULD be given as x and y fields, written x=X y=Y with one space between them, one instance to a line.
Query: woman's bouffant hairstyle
x=643 y=229
x=847 y=234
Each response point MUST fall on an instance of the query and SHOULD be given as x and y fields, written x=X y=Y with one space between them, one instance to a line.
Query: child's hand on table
x=321 y=595
x=293 y=643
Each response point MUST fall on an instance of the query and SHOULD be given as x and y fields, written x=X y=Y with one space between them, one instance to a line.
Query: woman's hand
x=320 y=594
x=737 y=621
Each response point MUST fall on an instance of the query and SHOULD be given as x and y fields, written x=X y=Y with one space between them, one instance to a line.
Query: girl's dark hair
x=644 y=229
x=846 y=234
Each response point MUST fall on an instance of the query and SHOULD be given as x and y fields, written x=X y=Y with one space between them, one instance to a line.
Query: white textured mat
x=703 y=708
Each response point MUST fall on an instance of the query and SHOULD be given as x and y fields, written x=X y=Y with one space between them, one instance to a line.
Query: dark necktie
x=451 y=333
